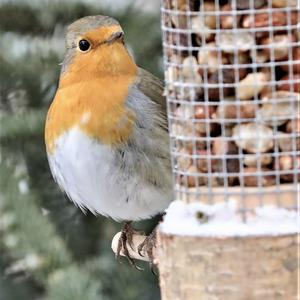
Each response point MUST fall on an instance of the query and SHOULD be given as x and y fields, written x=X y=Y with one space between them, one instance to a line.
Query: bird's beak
x=116 y=36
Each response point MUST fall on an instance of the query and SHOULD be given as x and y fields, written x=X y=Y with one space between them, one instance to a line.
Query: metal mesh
x=232 y=71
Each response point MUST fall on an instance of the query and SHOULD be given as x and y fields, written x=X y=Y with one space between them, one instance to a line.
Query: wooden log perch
x=233 y=268
x=136 y=240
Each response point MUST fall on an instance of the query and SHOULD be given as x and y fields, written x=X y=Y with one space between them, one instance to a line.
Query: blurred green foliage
x=49 y=249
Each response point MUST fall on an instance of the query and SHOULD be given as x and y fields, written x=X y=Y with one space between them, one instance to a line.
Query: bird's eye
x=119 y=35
x=84 y=45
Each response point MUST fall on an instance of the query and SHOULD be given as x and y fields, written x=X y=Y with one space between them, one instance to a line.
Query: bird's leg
x=126 y=239
x=148 y=245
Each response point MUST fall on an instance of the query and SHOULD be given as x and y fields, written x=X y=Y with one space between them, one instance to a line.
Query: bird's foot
x=147 y=247
x=126 y=239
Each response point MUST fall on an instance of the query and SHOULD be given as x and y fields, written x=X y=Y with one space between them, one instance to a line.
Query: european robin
x=106 y=130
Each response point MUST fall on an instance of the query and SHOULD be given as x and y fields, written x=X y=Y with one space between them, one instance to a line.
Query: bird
x=106 y=130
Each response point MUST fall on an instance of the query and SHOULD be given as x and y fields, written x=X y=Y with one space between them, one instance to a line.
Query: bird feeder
x=232 y=73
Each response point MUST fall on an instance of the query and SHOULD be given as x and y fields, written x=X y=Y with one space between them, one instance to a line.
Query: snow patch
x=221 y=219
x=23 y=187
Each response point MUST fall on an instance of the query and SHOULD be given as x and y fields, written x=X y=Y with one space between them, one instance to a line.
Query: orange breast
x=92 y=97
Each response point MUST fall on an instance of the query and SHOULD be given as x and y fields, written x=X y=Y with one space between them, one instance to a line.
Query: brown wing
x=152 y=87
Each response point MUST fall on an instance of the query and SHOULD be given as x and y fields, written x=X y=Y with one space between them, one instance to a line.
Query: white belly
x=92 y=177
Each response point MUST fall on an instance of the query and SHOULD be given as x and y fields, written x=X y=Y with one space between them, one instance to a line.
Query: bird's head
x=95 y=44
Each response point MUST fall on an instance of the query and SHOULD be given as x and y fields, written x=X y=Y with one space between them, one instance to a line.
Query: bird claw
x=126 y=239
x=147 y=246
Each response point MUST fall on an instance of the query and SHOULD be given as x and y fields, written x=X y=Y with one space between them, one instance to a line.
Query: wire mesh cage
x=232 y=71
